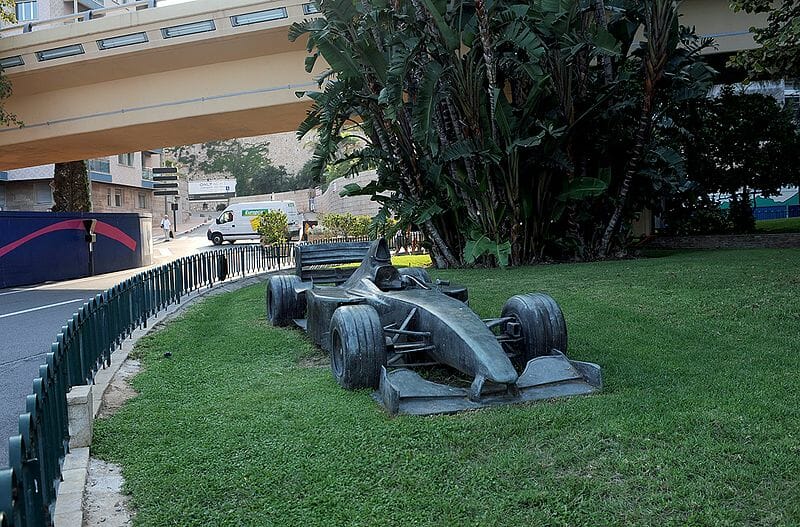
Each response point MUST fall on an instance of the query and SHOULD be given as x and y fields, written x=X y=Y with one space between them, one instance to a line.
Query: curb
x=69 y=499
x=187 y=231
x=192 y=229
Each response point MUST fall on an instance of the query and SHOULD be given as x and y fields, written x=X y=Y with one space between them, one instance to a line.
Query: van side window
x=226 y=217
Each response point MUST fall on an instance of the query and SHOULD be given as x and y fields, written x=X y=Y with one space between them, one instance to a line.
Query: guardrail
x=28 y=487
x=27 y=27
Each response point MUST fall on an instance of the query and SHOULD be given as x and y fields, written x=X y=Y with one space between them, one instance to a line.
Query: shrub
x=346 y=224
x=272 y=226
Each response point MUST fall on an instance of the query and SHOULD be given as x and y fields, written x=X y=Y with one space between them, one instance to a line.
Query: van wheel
x=216 y=238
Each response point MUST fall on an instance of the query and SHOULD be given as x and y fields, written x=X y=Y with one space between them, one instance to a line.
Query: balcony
x=99 y=170
x=147 y=177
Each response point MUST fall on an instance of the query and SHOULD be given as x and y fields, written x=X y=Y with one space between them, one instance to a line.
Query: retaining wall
x=727 y=241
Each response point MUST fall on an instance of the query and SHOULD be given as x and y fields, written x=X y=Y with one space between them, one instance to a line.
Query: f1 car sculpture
x=381 y=322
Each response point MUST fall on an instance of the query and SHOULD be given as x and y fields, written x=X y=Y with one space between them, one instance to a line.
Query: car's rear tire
x=358 y=348
x=417 y=272
x=283 y=303
x=542 y=325
x=217 y=238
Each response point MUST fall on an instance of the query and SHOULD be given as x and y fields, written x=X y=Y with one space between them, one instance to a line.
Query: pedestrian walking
x=167 y=226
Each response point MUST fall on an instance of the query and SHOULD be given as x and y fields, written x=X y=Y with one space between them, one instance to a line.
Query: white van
x=237 y=221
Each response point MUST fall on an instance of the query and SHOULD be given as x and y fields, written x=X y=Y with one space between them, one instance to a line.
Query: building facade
x=120 y=183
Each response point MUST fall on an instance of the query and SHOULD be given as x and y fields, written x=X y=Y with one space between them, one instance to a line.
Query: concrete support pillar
x=79 y=407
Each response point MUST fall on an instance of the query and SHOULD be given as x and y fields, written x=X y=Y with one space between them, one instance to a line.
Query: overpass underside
x=232 y=81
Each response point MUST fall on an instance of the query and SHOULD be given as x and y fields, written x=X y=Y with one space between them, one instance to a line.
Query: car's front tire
x=283 y=303
x=217 y=238
x=541 y=323
x=358 y=348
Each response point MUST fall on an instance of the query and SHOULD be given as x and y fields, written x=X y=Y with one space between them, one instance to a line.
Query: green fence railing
x=29 y=485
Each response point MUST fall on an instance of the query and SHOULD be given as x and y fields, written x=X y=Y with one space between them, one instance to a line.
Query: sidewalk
x=180 y=229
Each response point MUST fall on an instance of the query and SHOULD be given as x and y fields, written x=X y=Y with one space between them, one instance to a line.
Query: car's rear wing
x=322 y=262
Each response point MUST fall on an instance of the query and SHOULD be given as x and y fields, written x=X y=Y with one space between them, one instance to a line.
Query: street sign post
x=158 y=176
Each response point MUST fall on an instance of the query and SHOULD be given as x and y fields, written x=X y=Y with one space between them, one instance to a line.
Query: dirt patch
x=104 y=505
x=315 y=361
x=119 y=390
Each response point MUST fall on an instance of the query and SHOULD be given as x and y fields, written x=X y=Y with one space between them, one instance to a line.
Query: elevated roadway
x=151 y=78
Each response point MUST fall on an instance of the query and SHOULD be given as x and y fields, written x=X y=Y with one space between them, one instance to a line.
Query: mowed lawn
x=778 y=226
x=698 y=424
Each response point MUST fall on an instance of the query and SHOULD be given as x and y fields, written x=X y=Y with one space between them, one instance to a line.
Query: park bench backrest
x=316 y=261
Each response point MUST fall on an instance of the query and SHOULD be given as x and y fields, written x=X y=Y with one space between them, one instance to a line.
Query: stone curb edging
x=725 y=241
x=192 y=229
x=70 y=497
x=187 y=231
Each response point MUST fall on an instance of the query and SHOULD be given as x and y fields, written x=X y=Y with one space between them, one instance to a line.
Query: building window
x=99 y=165
x=44 y=194
x=125 y=159
x=142 y=200
x=108 y=197
x=27 y=11
x=2 y=197
x=117 y=197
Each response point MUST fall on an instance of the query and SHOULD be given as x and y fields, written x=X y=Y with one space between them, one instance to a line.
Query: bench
x=320 y=262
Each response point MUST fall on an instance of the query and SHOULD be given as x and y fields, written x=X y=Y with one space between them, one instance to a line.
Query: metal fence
x=776 y=212
x=84 y=345
x=411 y=241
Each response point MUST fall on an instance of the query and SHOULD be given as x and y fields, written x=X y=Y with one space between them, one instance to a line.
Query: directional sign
x=165 y=170
x=165 y=178
x=165 y=185
x=165 y=193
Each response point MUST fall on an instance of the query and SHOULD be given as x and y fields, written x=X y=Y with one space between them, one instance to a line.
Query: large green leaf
x=475 y=248
x=606 y=42
x=584 y=187
x=427 y=96
x=451 y=40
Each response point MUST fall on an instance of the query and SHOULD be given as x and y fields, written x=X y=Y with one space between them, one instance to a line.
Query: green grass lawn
x=778 y=226
x=412 y=260
x=699 y=422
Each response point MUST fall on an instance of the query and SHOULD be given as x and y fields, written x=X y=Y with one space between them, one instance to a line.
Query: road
x=31 y=317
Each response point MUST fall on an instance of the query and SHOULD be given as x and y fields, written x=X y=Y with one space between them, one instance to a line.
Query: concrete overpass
x=187 y=73
x=156 y=77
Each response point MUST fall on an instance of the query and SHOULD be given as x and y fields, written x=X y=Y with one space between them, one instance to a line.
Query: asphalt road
x=31 y=317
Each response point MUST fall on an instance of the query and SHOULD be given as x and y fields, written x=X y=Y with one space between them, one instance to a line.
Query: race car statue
x=383 y=325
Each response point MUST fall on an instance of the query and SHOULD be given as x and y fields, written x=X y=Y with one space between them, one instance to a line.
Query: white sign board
x=212 y=189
